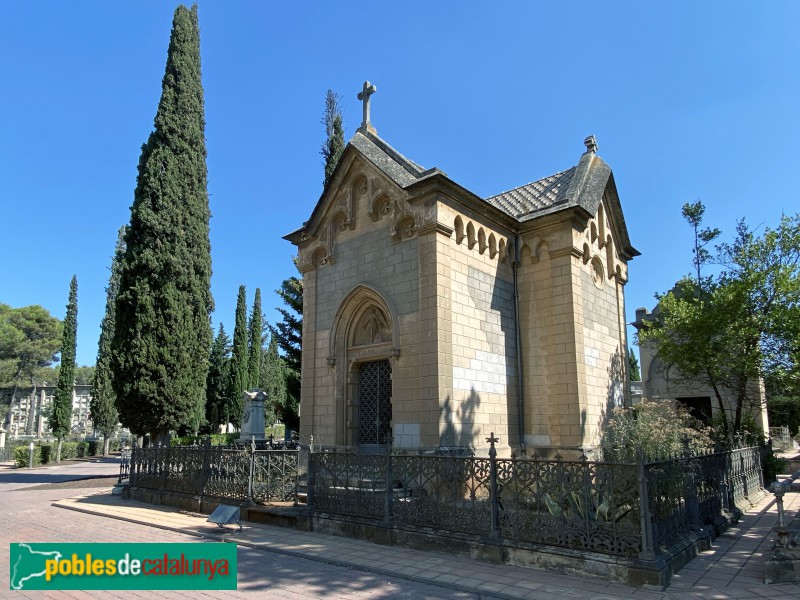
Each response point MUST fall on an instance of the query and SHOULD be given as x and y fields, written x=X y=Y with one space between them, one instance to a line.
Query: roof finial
x=366 y=91
x=591 y=144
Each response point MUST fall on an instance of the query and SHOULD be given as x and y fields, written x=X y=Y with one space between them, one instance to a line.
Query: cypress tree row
x=163 y=333
x=237 y=376
x=255 y=342
x=60 y=415
x=103 y=410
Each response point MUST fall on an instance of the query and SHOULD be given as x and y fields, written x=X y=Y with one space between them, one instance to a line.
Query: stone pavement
x=732 y=568
x=27 y=514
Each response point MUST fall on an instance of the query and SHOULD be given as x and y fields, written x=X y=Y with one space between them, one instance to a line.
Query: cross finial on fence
x=492 y=440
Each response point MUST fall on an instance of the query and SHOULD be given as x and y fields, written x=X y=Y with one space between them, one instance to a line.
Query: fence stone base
x=654 y=574
x=188 y=502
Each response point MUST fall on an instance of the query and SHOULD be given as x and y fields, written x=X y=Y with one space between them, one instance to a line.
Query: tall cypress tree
x=163 y=330
x=255 y=342
x=103 y=410
x=237 y=375
x=60 y=414
x=273 y=379
x=217 y=381
x=333 y=147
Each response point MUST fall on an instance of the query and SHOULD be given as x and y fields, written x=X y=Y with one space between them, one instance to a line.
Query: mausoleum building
x=433 y=317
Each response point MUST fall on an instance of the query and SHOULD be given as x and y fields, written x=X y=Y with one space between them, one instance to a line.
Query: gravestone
x=253 y=416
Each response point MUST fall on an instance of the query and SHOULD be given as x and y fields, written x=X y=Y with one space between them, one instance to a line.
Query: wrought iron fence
x=636 y=510
x=781 y=438
x=247 y=474
x=124 y=465
x=691 y=493
x=633 y=510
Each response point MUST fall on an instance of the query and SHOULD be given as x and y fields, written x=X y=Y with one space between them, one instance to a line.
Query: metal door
x=375 y=403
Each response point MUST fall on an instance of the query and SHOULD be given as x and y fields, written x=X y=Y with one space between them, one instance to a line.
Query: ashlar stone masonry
x=433 y=317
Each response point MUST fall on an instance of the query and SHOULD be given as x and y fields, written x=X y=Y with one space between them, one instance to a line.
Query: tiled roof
x=538 y=195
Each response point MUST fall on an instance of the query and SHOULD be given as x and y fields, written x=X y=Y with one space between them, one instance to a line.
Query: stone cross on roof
x=591 y=144
x=366 y=91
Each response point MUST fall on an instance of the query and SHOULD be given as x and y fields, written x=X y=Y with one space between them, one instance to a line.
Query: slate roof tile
x=535 y=196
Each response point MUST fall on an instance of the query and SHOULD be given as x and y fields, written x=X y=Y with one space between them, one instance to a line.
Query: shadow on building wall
x=459 y=429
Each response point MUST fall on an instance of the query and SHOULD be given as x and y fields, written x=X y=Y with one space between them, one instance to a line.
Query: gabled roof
x=583 y=186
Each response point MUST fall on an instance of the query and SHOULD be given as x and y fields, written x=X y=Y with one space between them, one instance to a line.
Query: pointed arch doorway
x=365 y=342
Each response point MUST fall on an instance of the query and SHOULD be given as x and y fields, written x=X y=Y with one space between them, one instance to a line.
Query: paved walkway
x=28 y=515
x=732 y=568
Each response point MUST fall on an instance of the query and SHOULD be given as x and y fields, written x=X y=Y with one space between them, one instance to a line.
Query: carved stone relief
x=372 y=328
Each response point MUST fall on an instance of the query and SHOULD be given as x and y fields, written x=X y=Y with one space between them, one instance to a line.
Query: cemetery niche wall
x=432 y=316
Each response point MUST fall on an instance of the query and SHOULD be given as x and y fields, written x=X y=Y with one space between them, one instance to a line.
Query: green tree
x=237 y=374
x=84 y=374
x=255 y=342
x=163 y=335
x=273 y=379
x=733 y=328
x=693 y=213
x=30 y=339
x=333 y=146
x=60 y=415
x=289 y=334
x=103 y=408
x=217 y=380
x=633 y=366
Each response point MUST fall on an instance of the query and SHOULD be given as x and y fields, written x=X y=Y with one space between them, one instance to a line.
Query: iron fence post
x=310 y=479
x=648 y=545
x=494 y=531
x=252 y=452
x=690 y=487
x=166 y=460
x=389 y=508
x=205 y=466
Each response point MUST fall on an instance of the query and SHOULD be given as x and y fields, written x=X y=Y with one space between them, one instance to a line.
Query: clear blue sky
x=688 y=101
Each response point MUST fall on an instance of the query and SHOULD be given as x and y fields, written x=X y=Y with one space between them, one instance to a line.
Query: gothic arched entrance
x=364 y=339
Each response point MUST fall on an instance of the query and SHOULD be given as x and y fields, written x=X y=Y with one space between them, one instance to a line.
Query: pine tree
x=255 y=342
x=103 y=410
x=60 y=414
x=289 y=333
x=333 y=147
x=163 y=330
x=217 y=381
x=237 y=375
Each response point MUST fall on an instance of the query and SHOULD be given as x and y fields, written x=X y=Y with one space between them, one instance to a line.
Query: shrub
x=22 y=454
x=48 y=453
x=659 y=428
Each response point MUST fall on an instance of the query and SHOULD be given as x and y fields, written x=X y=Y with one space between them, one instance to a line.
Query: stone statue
x=253 y=416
